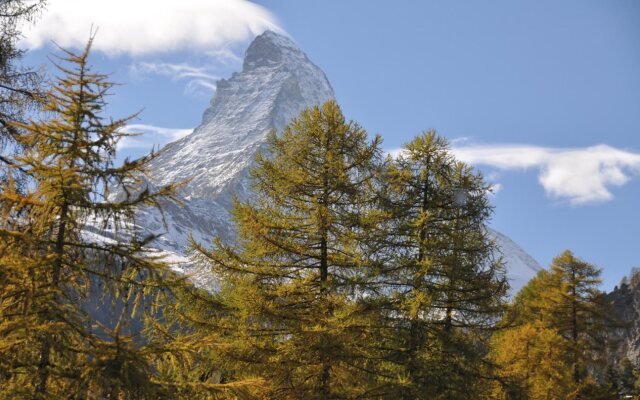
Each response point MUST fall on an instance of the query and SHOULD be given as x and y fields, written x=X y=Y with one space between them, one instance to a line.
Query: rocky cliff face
x=277 y=82
x=625 y=300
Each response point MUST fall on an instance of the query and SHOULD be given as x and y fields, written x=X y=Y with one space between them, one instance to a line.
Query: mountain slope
x=520 y=265
x=625 y=301
x=277 y=82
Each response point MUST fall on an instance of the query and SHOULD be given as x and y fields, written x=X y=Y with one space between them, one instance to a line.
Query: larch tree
x=294 y=289
x=57 y=275
x=532 y=360
x=563 y=306
x=578 y=310
x=531 y=356
x=20 y=87
x=446 y=283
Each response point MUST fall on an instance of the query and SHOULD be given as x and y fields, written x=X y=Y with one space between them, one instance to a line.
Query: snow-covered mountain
x=520 y=265
x=277 y=82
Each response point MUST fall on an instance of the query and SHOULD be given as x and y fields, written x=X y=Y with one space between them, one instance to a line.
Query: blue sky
x=543 y=96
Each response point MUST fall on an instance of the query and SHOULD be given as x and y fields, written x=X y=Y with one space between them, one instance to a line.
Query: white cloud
x=139 y=27
x=201 y=80
x=581 y=176
x=176 y=71
x=200 y=86
x=149 y=136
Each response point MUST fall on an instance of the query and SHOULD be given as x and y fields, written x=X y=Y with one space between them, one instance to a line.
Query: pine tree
x=562 y=306
x=54 y=274
x=191 y=363
x=627 y=375
x=295 y=289
x=578 y=311
x=19 y=86
x=531 y=359
x=447 y=286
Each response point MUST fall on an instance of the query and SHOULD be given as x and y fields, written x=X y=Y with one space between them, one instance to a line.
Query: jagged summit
x=269 y=49
x=278 y=81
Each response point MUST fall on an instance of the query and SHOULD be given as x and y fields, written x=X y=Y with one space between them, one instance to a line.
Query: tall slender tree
x=578 y=310
x=19 y=86
x=561 y=317
x=55 y=270
x=447 y=284
x=295 y=287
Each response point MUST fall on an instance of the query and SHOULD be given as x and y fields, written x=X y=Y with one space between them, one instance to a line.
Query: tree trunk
x=45 y=350
x=415 y=328
x=325 y=375
x=574 y=327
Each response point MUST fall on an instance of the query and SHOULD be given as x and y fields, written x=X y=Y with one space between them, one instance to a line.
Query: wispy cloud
x=200 y=80
x=200 y=86
x=150 y=26
x=176 y=71
x=149 y=136
x=224 y=56
x=579 y=175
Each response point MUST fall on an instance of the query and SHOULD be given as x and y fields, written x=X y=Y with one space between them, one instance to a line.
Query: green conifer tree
x=532 y=360
x=295 y=290
x=54 y=274
x=446 y=282
x=580 y=312
x=563 y=304
x=20 y=87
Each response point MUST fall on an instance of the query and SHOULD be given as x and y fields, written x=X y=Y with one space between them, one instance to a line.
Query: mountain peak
x=269 y=49
x=278 y=81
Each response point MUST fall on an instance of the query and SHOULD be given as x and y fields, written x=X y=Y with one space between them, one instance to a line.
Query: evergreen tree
x=626 y=375
x=192 y=364
x=19 y=86
x=446 y=285
x=54 y=275
x=532 y=360
x=580 y=312
x=295 y=289
x=562 y=307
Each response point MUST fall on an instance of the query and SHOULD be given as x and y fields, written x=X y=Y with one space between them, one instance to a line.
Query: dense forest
x=354 y=274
